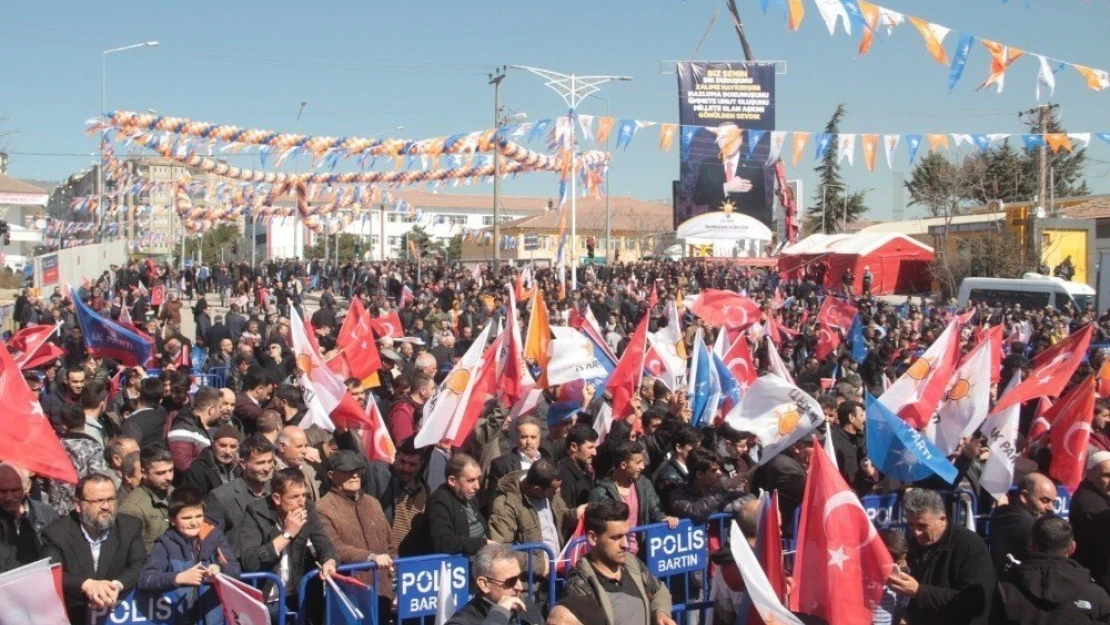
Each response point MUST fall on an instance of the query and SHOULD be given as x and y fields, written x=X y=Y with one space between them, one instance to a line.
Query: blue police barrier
x=138 y=606
x=257 y=579
x=886 y=510
x=146 y=608
x=684 y=549
x=1062 y=505
x=366 y=601
x=213 y=381
x=223 y=373
x=417 y=584
x=530 y=549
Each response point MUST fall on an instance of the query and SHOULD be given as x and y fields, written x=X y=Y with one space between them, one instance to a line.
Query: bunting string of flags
x=795 y=144
x=865 y=19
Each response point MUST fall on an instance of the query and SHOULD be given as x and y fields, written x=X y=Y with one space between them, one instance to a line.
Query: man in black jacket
x=227 y=504
x=1011 y=524
x=786 y=473
x=850 y=444
x=950 y=580
x=453 y=522
x=1090 y=516
x=22 y=518
x=500 y=598
x=100 y=553
x=147 y=424
x=280 y=527
x=217 y=464
x=576 y=468
x=705 y=492
x=1047 y=586
x=519 y=458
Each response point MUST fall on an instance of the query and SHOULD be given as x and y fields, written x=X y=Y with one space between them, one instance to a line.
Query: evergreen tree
x=938 y=185
x=830 y=201
x=1065 y=169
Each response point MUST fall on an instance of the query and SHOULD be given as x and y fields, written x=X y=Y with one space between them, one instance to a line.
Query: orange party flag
x=871 y=19
x=604 y=127
x=800 y=141
x=870 y=146
x=1096 y=78
x=1002 y=57
x=538 y=336
x=796 y=13
x=666 y=136
x=934 y=35
x=937 y=141
x=1058 y=140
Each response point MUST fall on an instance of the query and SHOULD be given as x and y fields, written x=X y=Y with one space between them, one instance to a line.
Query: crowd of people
x=180 y=483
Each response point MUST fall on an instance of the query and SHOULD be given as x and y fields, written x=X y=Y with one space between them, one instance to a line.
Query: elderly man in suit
x=100 y=553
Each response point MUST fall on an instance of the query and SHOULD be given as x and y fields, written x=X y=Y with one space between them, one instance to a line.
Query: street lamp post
x=572 y=89
x=608 y=206
x=104 y=117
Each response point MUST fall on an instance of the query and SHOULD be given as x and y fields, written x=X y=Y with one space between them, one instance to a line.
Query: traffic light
x=6 y=231
x=590 y=244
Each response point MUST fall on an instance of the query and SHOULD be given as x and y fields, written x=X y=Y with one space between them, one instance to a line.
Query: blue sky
x=366 y=67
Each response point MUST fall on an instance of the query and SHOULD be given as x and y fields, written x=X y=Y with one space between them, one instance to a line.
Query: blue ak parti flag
x=900 y=451
x=704 y=386
x=855 y=337
x=105 y=338
x=731 y=391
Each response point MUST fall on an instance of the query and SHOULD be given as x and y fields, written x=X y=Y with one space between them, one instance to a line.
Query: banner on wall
x=727 y=112
x=49 y=269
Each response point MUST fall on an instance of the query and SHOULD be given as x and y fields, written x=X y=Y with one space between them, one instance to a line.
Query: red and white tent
x=899 y=264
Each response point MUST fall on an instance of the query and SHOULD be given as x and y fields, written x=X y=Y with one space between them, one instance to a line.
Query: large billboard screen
x=725 y=110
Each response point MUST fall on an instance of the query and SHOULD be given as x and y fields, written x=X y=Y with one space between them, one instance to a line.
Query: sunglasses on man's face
x=508 y=582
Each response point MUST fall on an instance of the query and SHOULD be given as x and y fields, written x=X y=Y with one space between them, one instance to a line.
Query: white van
x=1031 y=291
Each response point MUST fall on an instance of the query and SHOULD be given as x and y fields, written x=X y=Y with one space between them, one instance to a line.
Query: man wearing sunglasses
x=499 y=599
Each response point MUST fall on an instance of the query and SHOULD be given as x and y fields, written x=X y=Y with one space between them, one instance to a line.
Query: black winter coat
x=956 y=578
x=1048 y=589
x=1090 y=517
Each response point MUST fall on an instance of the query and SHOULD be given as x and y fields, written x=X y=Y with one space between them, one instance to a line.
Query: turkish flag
x=27 y=439
x=1071 y=433
x=1041 y=424
x=326 y=395
x=356 y=340
x=512 y=373
x=388 y=325
x=841 y=564
x=376 y=442
x=828 y=339
x=768 y=545
x=1052 y=369
x=653 y=362
x=836 y=313
x=994 y=333
x=624 y=381
x=31 y=346
x=725 y=309
x=242 y=603
x=738 y=360
x=777 y=331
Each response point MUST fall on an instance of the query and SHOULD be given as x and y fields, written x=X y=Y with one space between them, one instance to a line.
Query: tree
x=351 y=246
x=830 y=208
x=427 y=246
x=225 y=238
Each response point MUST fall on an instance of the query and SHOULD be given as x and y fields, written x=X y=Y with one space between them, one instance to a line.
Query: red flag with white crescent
x=1070 y=435
x=376 y=442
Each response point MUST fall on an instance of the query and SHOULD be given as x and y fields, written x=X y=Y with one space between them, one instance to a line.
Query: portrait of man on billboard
x=732 y=179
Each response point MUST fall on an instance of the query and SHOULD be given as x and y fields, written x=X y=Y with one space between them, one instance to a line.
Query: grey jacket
x=584 y=581
x=650 y=509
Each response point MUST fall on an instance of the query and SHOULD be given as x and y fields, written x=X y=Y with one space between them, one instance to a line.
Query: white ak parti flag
x=776 y=411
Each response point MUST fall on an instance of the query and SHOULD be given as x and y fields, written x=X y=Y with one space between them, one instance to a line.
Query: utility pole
x=1043 y=114
x=495 y=79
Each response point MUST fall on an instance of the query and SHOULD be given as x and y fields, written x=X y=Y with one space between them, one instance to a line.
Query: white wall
x=85 y=261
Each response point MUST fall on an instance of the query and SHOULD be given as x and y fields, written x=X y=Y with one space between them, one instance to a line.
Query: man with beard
x=148 y=503
x=1012 y=523
x=227 y=504
x=101 y=554
x=216 y=465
